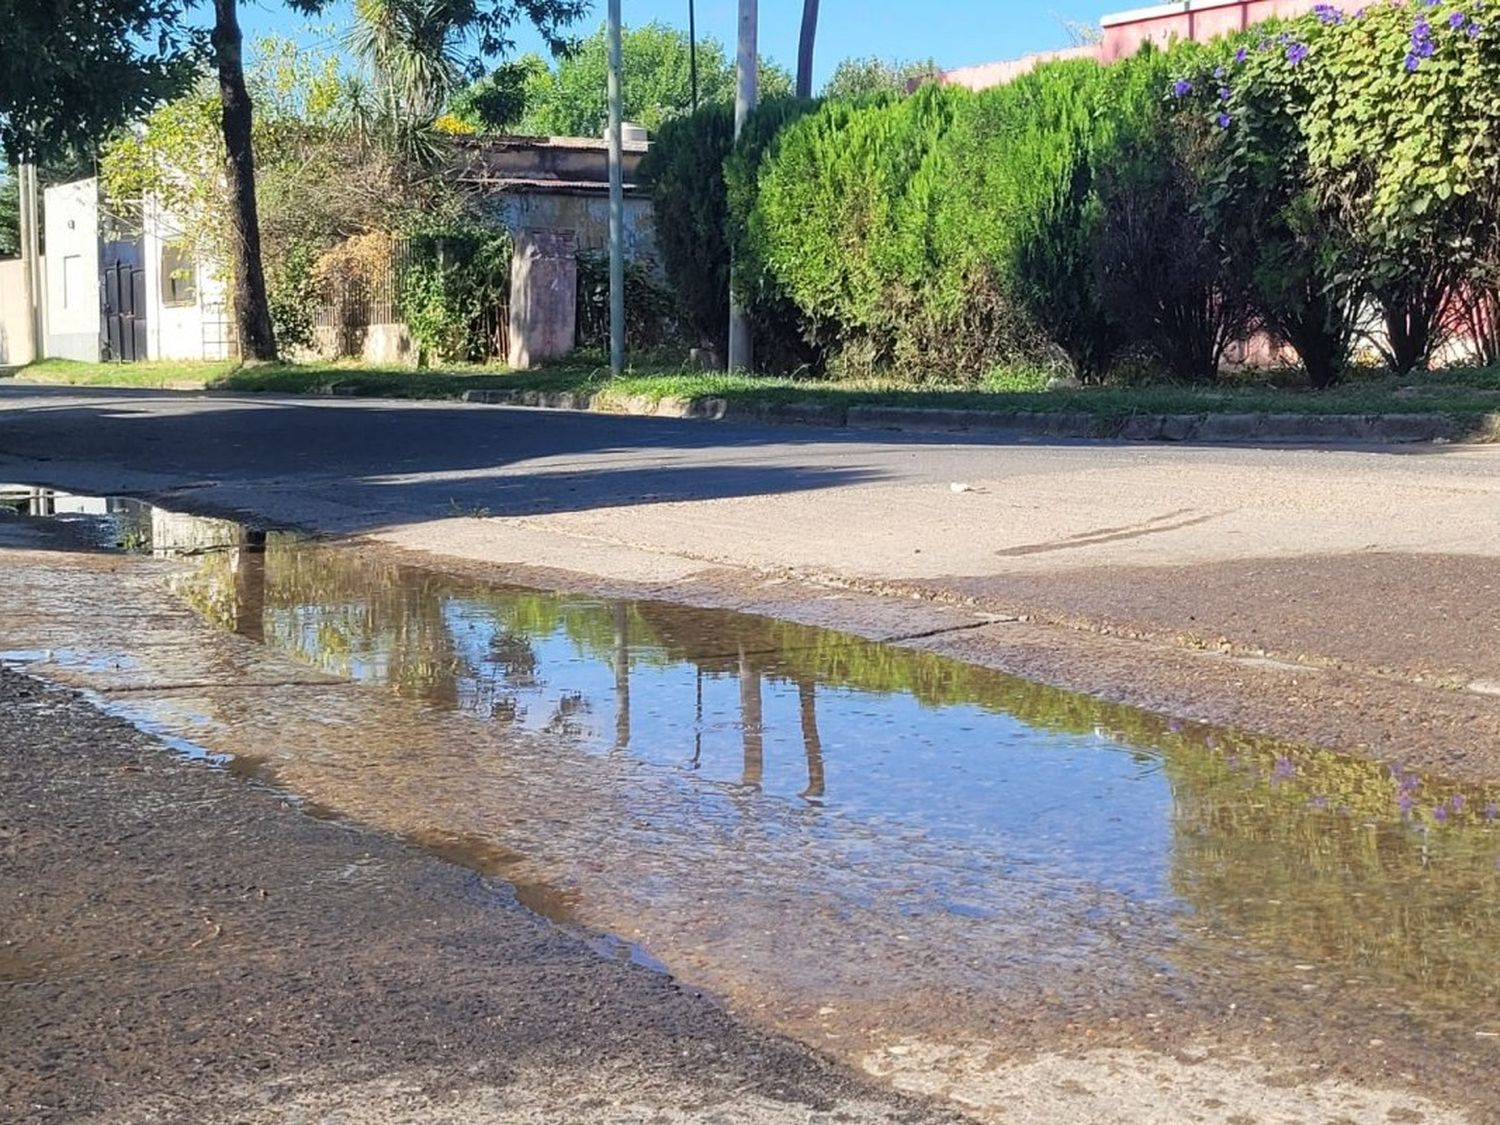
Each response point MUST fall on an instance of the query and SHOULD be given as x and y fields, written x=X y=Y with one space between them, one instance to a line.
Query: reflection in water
x=863 y=843
x=1306 y=855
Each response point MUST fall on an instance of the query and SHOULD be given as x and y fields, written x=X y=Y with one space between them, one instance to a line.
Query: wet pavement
x=919 y=866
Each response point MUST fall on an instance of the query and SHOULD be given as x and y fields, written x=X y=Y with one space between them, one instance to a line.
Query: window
x=72 y=280
x=179 y=275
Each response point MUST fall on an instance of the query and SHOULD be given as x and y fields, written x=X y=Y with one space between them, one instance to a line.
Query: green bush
x=650 y=306
x=702 y=186
x=454 y=287
x=1161 y=279
x=293 y=297
x=685 y=168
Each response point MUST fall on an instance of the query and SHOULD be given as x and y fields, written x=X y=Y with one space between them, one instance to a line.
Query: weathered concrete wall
x=71 y=224
x=586 y=214
x=387 y=344
x=1200 y=20
x=179 y=331
x=15 y=327
x=543 y=296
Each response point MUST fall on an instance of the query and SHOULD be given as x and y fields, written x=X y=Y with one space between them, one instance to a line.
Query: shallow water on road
x=858 y=841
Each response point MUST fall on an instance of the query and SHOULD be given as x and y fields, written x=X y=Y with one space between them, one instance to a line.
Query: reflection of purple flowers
x=1456 y=802
x=1405 y=803
x=1491 y=811
x=1283 y=770
x=1319 y=803
x=1440 y=814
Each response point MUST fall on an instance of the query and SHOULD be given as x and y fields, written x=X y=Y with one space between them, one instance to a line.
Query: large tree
x=861 y=77
x=569 y=99
x=73 y=70
x=478 y=28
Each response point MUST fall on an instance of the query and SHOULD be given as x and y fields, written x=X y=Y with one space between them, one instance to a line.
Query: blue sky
x=954 y=32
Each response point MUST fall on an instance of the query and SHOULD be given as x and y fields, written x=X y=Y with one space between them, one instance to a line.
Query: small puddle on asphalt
x=861 y=843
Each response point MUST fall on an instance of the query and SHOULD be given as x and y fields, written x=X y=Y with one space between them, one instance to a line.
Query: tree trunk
x=252 y=315
x=805 y=48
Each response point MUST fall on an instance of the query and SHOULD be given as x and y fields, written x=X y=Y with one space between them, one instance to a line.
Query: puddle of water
x=127 y=524
x=851 y=835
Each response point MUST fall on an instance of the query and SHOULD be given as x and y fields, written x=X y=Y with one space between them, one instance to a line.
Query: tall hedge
x=697 y=170
x=685 y=167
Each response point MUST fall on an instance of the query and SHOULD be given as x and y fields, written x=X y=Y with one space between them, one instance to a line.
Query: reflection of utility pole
x=698 y=721
x=812 y=745
x=248 y=564
x=750 y=722
x=622 y=676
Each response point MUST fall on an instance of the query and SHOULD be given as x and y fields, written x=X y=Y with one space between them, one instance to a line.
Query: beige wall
x=15 y=331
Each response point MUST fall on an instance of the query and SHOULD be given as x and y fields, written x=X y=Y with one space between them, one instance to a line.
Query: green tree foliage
x=497 y=102
x=569 y=100
x=10 y=214
x=71 y=71
x=865 y=77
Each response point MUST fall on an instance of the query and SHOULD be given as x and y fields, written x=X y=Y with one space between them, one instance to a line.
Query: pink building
x=1124 y=33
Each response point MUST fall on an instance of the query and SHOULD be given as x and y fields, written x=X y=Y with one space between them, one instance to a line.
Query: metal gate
x=124 y=304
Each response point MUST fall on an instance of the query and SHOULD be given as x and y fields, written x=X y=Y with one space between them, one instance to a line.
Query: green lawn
x=1457 y=392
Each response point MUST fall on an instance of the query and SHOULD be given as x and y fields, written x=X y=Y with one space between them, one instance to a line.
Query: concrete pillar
x=543 y=296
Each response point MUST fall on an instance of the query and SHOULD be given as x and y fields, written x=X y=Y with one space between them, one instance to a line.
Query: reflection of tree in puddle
x=1332 y=860
x=1281 y=851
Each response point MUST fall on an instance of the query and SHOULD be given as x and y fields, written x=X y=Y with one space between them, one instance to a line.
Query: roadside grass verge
x=1458 y=392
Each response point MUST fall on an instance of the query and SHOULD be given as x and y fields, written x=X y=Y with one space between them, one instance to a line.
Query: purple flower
x=1327 y=13
x=1491 y=811
x=1440 y=814
x=1181 y=88
x=1296 y=52
x=1456 y=20
x=1405 y=803
x=1223 y=93
x=1224 y=120
x=1457 y=803
x=1474 y=28
x=1242 y=54
x=1283 y=770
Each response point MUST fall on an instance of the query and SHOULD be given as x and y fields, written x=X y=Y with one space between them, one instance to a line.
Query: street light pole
x=747 y=88
x=616 y=199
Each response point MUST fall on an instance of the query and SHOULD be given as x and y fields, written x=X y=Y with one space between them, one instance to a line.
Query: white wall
x=71 y=223
x=188 y=331
x=15 y=327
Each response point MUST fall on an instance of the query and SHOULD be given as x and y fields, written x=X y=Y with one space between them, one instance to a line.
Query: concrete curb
x=1376 y=429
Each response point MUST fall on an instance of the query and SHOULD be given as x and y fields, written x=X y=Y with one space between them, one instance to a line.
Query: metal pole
x=616 y=200
x=693 y=50
x=745 y=96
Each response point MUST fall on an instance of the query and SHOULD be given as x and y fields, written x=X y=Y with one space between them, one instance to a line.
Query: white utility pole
x=746 y=94
x=31 y=273
x=616 y=199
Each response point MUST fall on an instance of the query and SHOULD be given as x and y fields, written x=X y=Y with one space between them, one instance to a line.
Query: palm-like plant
x=411 y=47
